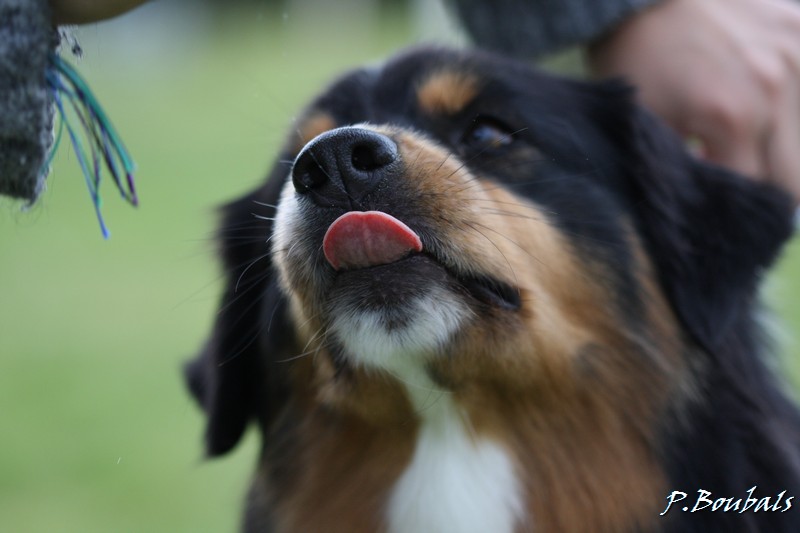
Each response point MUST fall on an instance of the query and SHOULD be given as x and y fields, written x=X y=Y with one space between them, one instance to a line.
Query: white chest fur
x=456 y=482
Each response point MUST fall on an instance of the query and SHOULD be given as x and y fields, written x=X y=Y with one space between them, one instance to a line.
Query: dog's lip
x=492 y=291
x=485 y=289
x=361 y=239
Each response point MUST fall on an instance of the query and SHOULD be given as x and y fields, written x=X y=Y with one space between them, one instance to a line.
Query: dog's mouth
x=366 y=240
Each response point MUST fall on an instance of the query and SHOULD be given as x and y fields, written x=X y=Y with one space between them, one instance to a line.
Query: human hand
x=83 y=11
x=723 y=72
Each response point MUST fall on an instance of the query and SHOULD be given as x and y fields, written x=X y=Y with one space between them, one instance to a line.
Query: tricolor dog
x=472 y=297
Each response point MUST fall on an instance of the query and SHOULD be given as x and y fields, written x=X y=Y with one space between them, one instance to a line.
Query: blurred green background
x=97 y=433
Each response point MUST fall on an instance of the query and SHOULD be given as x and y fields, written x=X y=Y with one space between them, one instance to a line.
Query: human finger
x=730 y=129
x=782 y=148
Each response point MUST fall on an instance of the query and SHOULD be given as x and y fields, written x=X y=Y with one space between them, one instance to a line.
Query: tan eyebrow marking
x=310 y=126
x=447 y=91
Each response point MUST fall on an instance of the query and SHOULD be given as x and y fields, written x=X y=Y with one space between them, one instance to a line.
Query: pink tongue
x=361 y=239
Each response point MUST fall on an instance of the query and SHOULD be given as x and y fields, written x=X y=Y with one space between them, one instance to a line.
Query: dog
x=474 y=297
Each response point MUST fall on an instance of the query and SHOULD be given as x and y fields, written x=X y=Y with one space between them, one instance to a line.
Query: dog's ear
x=711 y=233
x=234 y=378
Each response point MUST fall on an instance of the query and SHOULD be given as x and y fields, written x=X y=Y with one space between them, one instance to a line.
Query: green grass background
x=97 y=433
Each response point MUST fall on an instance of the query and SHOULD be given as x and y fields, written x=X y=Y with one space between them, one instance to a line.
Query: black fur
x=710 y=234
x=231 y=378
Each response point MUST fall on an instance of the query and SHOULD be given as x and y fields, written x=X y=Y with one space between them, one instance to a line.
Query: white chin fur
x=435 y=317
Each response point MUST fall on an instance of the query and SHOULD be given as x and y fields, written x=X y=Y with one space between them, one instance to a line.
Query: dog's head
x=458 y=220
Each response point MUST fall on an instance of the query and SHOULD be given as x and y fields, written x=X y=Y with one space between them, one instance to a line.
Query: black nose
x=341 y=166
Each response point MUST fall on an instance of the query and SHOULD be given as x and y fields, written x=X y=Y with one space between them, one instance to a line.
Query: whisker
x=320 y=333
x=510 y=268
x=265 y=204
x=259 y=328
x=247 y=268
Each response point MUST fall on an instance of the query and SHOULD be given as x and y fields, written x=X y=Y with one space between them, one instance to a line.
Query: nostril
x=368 y=157
x=310 y=175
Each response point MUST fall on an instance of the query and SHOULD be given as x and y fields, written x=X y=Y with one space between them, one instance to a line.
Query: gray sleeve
x=26 y=106
x=532 y=28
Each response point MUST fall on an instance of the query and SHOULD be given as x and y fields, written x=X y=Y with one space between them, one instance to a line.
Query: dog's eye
x=485 y=133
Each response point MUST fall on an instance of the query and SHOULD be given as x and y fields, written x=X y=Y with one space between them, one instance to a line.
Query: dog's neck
x=456 y=480
x=464 y=433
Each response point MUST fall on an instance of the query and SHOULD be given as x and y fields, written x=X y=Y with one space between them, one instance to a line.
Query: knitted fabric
x=530 y=29
x=26 y=107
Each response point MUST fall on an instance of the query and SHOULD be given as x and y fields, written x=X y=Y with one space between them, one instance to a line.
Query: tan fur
x=308 y=127
x=448 y=92
x=342 y=446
